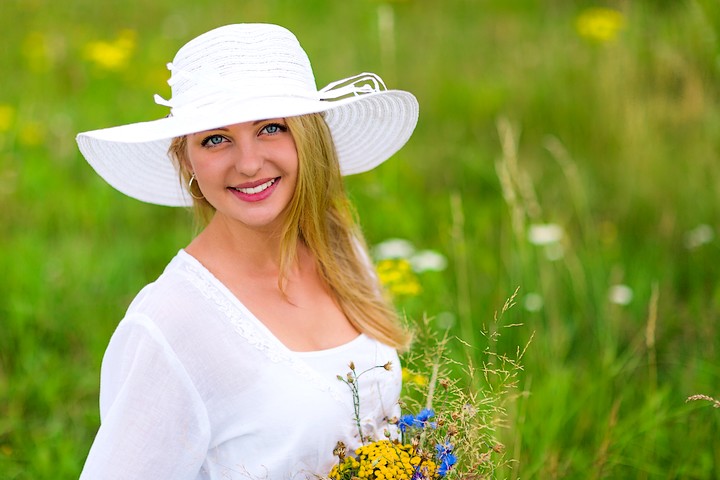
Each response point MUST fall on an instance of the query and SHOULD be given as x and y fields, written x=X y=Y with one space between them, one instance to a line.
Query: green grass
x=617 y=143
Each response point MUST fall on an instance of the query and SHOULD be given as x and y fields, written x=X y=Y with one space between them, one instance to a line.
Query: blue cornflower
x=422 y=418
x=446 y=464
x=444 y=449
x=445 y=457
x=405 y=422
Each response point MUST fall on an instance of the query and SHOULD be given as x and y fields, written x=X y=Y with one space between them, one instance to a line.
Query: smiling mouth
x=258 y=188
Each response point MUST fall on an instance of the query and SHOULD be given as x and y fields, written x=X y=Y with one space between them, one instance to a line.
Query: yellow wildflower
x=411 y=377
x=112 y=55
x=397 y=276
x=383 y=459
x=421 y=380
x=599 y=24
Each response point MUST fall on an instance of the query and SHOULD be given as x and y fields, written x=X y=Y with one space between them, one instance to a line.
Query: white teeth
x=258 y=189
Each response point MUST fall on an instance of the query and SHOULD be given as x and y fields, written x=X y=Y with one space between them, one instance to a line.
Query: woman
x=226 y=366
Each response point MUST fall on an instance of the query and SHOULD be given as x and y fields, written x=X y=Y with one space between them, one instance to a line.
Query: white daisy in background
x=699 y=236
x=548 y=236
x=421 y=261
x=533 y=302
x=393 y=248
x=620 y=294
x=428 y=260
x=545 y=234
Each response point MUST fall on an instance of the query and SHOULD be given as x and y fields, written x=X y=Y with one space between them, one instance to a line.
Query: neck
x=224 y=241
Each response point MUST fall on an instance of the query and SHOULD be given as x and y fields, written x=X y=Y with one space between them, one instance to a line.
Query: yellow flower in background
x=7 y=115
x=399 y=264
x=397 y=276
x=599 y=24
x=112 y=55
x=410 y=377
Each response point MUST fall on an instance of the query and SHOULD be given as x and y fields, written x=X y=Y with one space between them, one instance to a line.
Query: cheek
x=290 y=157
x=200 y=162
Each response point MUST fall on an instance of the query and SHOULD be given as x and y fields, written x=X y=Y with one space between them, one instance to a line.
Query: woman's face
x=247 y=171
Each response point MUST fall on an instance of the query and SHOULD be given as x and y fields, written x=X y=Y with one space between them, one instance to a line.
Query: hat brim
x=366 y=129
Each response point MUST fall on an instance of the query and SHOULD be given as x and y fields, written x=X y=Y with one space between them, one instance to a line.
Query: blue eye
x=212 y=140
x=274 y=128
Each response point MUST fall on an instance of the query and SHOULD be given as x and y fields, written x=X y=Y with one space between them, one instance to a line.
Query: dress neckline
x=187 y=257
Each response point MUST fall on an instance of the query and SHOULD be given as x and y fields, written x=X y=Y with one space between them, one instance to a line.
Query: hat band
x=220 y=99
x=209 y=90
x=217 y=92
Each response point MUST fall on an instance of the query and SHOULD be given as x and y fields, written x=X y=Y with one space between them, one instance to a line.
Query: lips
x=253 y=189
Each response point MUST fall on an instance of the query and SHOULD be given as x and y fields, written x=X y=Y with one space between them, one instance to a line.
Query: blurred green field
x=569 y=153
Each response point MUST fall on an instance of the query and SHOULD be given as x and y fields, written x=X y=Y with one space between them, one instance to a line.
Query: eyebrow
x=225 y=129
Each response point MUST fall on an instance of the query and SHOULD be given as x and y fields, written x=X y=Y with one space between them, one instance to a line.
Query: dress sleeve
x=153 y=421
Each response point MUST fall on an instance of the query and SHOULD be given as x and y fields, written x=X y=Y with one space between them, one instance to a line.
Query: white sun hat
x=240 y=73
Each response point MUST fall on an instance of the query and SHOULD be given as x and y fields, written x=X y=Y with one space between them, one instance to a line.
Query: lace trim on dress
x=248 y=329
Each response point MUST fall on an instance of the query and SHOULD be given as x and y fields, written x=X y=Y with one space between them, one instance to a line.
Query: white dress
x=193 y=386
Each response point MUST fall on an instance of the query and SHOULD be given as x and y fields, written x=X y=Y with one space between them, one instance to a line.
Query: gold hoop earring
x=189 y=187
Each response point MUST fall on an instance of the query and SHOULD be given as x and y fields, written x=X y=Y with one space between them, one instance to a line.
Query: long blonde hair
x=321 y=215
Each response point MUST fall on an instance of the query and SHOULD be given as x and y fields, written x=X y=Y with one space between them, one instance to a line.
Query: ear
x=179 y=154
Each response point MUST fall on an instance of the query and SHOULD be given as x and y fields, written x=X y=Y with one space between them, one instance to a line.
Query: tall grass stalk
x=461 y=264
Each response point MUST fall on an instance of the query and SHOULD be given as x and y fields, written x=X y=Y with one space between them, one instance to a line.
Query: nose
x=248 y=159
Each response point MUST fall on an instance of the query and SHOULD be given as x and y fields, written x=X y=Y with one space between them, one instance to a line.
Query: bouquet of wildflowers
x=405 y=458
x=452 y=435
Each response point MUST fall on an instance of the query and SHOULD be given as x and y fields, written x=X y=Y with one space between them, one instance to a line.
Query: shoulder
x=179 y=294
x=182 y=308
x=169 y=326
x=170 y=288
